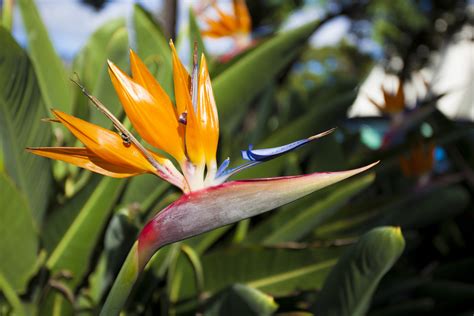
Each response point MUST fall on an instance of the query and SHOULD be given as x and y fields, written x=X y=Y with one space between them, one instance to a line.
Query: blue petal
x=270 y=153
x=228 y=172
x=222 y=168
x=258 y=156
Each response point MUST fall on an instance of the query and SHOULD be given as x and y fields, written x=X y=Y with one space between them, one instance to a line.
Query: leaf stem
x=123 y=284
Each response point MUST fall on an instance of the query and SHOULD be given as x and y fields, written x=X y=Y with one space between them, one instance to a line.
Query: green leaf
x=76 y=248
x=349 y=287
x=421 y=210
x=7 y=15
x=19 y=241
x=52 y=77
x=59 y=220
x=272 y=270
x=239 y=300
x=21 y=108
x=92 y=60
x=239 y=84
x=11 y=296
x=195 y=35
x=295 y=221
x=117 y=51
x=152 y=45
x=409 y=211
x=144 y=191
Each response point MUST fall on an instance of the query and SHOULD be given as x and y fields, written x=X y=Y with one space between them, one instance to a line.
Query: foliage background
x=65 y=232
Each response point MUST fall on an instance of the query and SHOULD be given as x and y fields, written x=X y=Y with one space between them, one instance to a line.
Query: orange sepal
x=194 y=148
x=243 y=16
x=84 y=158
x=142 y=76
x=181 y=81
x=207 y=113
x=106 y=144
x=155 y=123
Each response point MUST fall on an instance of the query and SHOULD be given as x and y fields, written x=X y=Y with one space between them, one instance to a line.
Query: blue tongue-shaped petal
x=270 y=153
x=258 y=156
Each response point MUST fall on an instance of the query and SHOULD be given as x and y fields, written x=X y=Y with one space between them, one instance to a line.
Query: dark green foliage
x=65 y=233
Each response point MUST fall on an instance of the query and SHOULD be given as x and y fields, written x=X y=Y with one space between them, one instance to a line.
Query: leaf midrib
x=278 y=278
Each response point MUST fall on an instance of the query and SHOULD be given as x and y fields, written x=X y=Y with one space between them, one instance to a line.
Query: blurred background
x=395 y=77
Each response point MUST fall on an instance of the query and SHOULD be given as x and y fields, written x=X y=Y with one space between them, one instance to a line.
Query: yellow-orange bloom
x=237 y=25
x=393 y=103
x=188 y=131
x=419 y=161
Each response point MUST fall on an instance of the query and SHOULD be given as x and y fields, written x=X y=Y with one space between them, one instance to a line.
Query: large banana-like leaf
x=409 y=211
x=19 y=241
x=59 y=220
x=195 y=35
x=21 y=108
x=91 y=61
x=75 y=249
x=51 y=73
x=294 y=222
x=240 y=300
x=276 y=271
x=151 y=45
x=117 y=51
x=239 y=84
x=349 y=287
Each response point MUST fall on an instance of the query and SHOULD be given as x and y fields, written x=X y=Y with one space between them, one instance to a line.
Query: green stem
x=11 y=296
x=7 y=16
x=123 y=284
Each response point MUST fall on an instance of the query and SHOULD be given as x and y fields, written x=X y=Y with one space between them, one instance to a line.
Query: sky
x=70 y=23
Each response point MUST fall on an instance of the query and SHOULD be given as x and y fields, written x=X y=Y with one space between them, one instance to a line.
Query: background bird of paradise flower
x=65 y=232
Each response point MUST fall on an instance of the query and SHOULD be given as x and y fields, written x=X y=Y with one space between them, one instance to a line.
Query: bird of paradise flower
x=236 y=25
x=188 y=131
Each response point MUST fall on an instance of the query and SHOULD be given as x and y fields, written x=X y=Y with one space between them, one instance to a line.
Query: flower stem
x=123 y=284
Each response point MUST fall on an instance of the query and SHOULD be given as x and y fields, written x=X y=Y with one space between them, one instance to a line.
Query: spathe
x=201 y=211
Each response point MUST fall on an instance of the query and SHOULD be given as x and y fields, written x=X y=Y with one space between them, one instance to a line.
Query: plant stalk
x=123 y=284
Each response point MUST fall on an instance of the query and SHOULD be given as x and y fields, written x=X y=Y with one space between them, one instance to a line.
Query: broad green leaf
x=11 y=297
x=151 y=45
x=19 y=241
x=7 y=15
x=59 y=220
x=21 y=109
x=295 y=221
x=421 y=306
x=426 y=209
x=195 y=35
x=409 y=211
x=76 y=248
x=92 y=59
x=449 y=292
x=144 y=191
x=117 y=51
x=119 y=238
x=458 y=270
x=349 y=287
x=238 y=85
x=52 y=76
x=276 y=271
x=240 y=300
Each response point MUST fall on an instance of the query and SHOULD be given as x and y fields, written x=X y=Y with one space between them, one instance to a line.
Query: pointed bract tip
x=325 y=133
x=397 y=230
x=50 y=120
x=110 y=64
